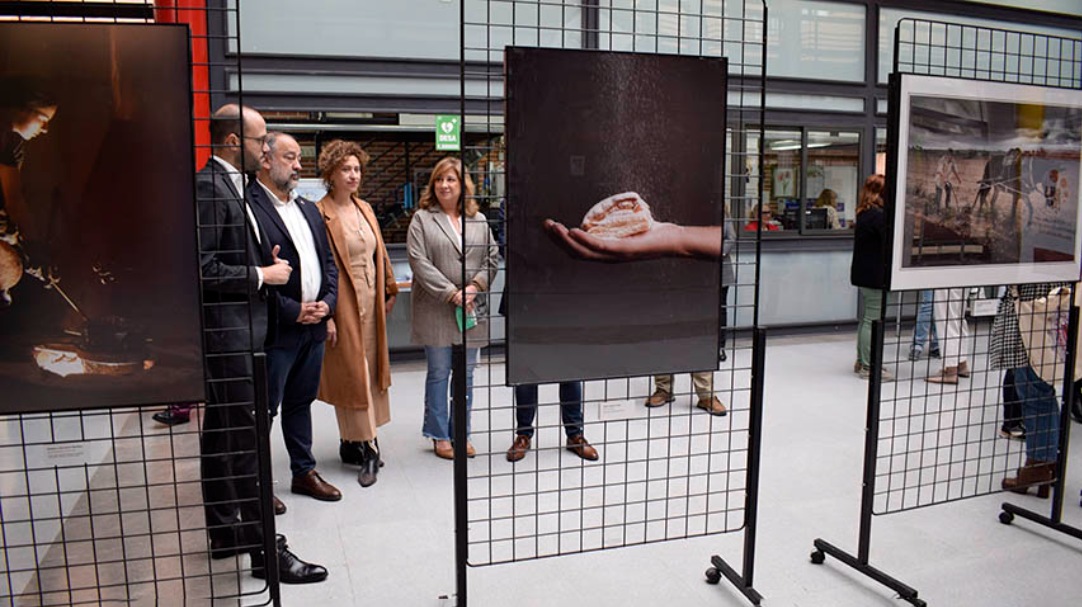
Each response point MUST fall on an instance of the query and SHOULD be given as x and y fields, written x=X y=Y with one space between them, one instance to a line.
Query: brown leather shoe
x=659 y=398
x=279 y=507
x=312 y=484
x=470 y=451
x=963 y=369
x=581 y=448
x=444 y=451
x=948 y=375
x=712 y=406
x=1034 y=473
x=518 y=448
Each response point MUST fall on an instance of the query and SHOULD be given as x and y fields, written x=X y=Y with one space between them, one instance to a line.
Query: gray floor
x=392 y=544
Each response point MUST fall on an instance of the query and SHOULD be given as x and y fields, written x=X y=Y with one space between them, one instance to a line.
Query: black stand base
x=1010 y=511
x=906 y=593
x=721 y=568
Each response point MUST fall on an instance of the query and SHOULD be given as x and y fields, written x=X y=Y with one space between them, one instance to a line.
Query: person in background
x=356 y=376
x=1040 y=409
x=702 y=381
x=728 y=279
x=1013 y=426
x=867 y=271
x=924 y=330
x=949 y=315
x=761 y=214
x=828 y=199
x=174 y=414
x=302 y=306
x=570 y=414
x=447 y=228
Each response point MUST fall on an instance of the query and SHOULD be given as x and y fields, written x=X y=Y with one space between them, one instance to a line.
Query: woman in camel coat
x=356 y=372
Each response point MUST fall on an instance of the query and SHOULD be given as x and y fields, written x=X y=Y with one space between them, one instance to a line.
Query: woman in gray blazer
x=440 y=233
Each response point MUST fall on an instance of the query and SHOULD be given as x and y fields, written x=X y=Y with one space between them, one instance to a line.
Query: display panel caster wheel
x=713 y=576
x=818 y=557
x=1006 y=517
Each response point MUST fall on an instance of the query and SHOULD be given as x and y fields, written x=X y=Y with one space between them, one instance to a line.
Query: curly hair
x=334 y=154
x=450 y=163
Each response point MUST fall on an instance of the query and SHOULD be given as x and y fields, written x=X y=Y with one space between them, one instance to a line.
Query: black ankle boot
x=379 y=452
x=369 y=466
x=350 y=452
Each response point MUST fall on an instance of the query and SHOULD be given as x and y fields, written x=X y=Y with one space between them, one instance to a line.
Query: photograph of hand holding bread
x=621 y=228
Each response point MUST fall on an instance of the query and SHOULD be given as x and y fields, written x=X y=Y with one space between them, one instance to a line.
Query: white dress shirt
x=301 y=234
x=238 y=182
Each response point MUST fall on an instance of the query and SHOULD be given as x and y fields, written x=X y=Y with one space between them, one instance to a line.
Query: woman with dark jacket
x=867 y=271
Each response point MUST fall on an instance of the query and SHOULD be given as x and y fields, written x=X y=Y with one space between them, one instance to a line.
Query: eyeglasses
x=261 y=139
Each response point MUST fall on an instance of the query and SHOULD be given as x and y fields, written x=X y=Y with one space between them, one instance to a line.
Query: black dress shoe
x=170 y=417
x=291 y=569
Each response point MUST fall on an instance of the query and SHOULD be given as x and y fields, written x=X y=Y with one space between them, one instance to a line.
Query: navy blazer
x=235 y=308
x=288 y=296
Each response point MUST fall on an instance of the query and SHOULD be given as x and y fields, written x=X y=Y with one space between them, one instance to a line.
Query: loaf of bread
x=618 y=216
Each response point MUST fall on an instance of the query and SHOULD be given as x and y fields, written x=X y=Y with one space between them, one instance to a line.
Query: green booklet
x=467 y=320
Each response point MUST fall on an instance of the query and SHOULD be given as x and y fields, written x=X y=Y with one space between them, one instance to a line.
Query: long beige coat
x=342 y=381
x=435 y=257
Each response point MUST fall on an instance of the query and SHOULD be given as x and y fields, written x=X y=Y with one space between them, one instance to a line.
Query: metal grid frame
x=103 y=506
x=914 y=476
x=664 y=474
x=930 y=443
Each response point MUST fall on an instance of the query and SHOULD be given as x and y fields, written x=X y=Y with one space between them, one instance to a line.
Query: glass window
x=833 y=178
x=1064 y=7
x=823 y=40
x=709 y=28
x=811 y=180
x=881 y=151
x=418 y=29
x=781 y=183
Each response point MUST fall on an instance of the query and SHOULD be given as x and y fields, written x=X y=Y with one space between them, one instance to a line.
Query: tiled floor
x=393 y=544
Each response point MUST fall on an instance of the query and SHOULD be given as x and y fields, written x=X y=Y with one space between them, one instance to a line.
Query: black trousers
x=230 y=461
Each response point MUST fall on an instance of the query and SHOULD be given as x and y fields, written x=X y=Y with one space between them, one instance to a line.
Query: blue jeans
x=1040 y=414
x=438 y=424
x=925 y=327
x=570 y=407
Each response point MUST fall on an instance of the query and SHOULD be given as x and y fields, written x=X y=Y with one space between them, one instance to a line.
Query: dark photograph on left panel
x=99 y=277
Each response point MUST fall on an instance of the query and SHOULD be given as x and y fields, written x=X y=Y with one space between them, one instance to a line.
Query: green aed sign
x=447 y=133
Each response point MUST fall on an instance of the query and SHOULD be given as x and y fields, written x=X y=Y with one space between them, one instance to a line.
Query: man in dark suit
x=302 y=305
x=237 y=267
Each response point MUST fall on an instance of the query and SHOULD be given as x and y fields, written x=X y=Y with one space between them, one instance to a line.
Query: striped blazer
x=435 y=255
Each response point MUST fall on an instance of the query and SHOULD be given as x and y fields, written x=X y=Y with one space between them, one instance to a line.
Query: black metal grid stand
x=115 y=513
x=976 y=53
x=744 y=582
x=861 y=562
x=721 y=473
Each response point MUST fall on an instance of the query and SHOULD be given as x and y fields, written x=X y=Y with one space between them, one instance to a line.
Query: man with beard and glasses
x=301 y=306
